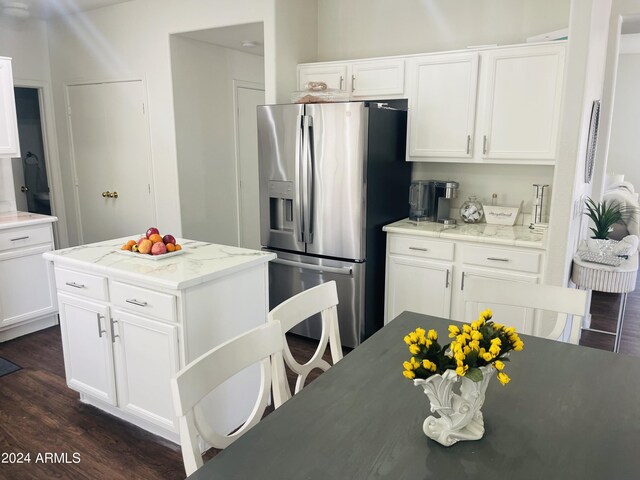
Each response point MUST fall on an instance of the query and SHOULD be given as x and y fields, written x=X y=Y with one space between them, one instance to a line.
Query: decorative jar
x=471 y=210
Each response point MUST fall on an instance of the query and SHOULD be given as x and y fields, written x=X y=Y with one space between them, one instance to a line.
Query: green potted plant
x=605 y=215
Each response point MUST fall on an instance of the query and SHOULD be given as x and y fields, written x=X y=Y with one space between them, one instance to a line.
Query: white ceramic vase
x=456 y=402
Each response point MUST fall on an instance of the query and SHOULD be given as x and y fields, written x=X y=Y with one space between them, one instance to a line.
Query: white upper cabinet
x=443 y=105
x=333 y=74
x=377 y=78
x=9 y=145
x=521 y=103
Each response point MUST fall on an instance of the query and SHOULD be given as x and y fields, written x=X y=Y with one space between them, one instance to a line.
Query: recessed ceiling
x=233 y=37
x=44 y=9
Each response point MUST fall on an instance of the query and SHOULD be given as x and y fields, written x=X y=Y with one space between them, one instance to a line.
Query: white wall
x=350 y=29
x=512 y=183
x=26 y=43
x=203 y=77
x=584 y=78
x=624 y=148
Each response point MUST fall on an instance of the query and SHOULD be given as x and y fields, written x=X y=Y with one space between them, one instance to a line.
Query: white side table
x=605 y=278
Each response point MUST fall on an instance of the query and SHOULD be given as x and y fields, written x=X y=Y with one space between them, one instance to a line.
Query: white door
x=521 y=109
x=443 y=105
x=110 y=146
x=146 y=354
x=248 y=98
x=417 y=286
x=9 y=145
x=87 y=347
x=376 y=78
x=520 y=318
x=334 y=75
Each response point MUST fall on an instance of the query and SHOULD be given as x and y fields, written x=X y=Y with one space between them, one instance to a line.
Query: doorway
x=30 y=171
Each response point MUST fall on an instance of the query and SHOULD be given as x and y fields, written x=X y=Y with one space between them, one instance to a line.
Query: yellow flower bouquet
x=481 y=343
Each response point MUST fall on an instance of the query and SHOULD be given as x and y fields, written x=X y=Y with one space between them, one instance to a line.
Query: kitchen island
x=129 y=322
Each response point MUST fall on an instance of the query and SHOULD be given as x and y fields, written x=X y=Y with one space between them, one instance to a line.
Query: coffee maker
x=430 y=200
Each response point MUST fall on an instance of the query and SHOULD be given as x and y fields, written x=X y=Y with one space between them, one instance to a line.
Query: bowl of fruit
x=152 y=246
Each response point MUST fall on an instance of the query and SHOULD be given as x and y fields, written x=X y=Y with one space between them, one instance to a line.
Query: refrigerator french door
x=320 y=164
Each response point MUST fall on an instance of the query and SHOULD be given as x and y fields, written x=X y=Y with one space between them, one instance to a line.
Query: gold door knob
x=24 y=189
x=114 y=195
x=106 y=194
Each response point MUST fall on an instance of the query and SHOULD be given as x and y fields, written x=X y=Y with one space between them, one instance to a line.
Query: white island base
x=130 y=323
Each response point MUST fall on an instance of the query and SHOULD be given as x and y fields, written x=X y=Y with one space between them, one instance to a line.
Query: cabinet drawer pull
x=100 y=331
x=498 y=259
x=341 y=82
x=468 y=144
x=19 y=238
x=447 y=281
x=353 y=83
x=74 y=284
x=422 y=249
x=136 y=302
x=484 y=145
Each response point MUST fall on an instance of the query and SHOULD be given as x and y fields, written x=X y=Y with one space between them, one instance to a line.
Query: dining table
x=569 y=412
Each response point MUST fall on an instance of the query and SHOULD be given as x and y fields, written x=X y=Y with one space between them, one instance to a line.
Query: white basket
x=501 y=214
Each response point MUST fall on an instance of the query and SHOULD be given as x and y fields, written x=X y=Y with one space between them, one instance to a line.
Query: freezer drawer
x=291 y=274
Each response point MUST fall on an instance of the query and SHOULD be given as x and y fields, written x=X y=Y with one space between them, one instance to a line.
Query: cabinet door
x=25 y=286
x=520 y=318
x=146 y=354
x=418 y=286
x=443 y=105
x=87 y=346
x=378 y=78
x=334 y=75
x=9 y=145
x=521 y=108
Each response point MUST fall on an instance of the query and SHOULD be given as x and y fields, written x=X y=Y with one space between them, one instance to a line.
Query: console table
x=609 y=279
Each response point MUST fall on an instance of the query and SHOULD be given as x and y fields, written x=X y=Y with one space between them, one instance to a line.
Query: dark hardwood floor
x=40 y=414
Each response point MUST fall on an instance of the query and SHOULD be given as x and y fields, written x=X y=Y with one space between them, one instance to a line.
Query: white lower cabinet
x=427 y=276
x=88 y=347
x=407 y=278
x=27 y=296
x=146 y=358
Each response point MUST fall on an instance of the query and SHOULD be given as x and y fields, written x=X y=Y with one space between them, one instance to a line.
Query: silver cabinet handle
x=498 y=259
x=74 y=284
x=353 y=83
x=468 y=144
x=19 y=238
x=462 y=282
x=100 y=330
x=317 y=268
x=419 y=248
x=484 y=145
x=341 y=82
x=113 y=334
x=133 y=301
x=447 y=280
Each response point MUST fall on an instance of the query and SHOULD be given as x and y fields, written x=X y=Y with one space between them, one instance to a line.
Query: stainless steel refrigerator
x=331 y=176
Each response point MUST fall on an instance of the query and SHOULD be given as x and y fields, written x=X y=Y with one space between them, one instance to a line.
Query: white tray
x=150 y=257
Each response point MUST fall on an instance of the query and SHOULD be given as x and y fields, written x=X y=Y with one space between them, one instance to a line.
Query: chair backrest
x=191 y=384
x=322 y=299
x=564 y=301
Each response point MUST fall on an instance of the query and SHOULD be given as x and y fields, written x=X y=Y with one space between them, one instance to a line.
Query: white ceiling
x=232 y=37
x=48 y=8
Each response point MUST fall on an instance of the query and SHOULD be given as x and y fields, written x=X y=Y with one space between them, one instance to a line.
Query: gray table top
x=569 y=413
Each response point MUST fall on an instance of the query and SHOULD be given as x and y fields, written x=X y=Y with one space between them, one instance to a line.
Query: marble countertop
x=22 y=219
x=201 y=262
x=518 y=236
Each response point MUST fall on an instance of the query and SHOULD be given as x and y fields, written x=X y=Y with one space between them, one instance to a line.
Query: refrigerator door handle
x=317 y=268
x=310 y=170
x=298 y=208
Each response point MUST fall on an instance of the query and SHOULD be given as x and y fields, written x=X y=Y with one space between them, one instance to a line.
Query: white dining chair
x=322 y=299
x=561 y=300
x=191 y=384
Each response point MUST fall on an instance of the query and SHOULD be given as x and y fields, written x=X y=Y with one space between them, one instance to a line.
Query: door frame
x=237 y=84
x=74 y=171
x=51 y=157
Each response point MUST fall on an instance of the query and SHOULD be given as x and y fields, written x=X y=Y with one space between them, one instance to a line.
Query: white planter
x=457 y=402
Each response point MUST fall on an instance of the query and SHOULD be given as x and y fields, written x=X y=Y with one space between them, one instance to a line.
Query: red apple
x=169 y=239
x=158 y=248
x=151 y=231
